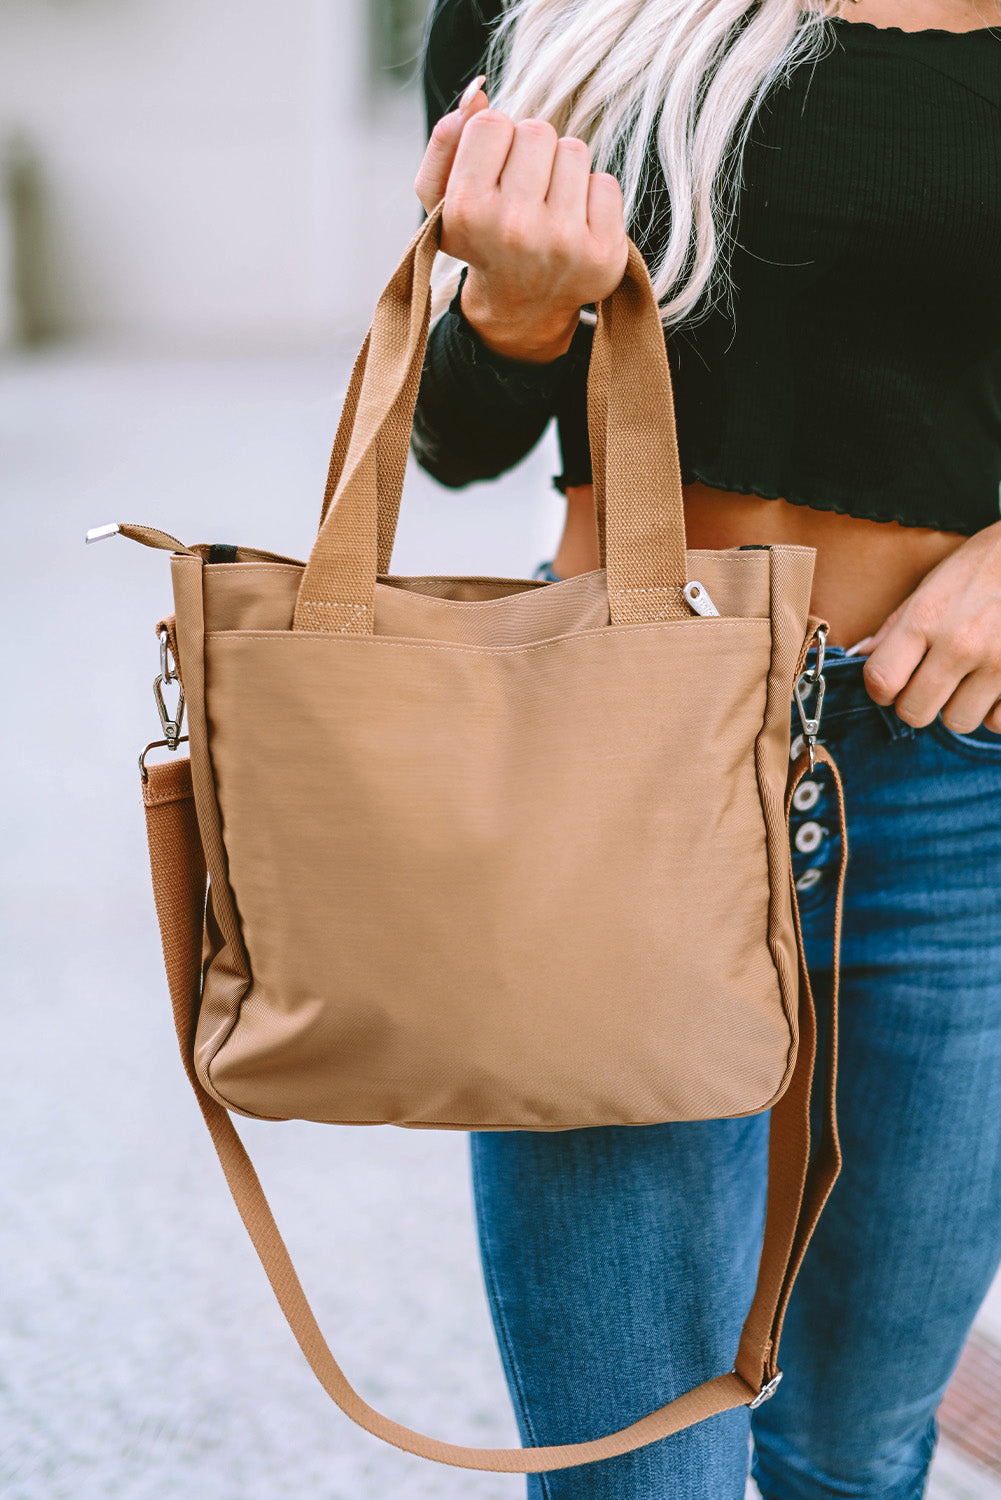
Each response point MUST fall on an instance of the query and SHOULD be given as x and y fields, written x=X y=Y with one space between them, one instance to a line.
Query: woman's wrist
x=528 y=335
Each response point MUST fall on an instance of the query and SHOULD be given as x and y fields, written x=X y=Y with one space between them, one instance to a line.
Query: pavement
x=142 y=1354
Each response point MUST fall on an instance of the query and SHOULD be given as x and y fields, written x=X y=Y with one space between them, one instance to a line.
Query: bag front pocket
x=497 y=888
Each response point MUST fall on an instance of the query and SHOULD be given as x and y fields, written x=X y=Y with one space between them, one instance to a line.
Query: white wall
x=203 y=170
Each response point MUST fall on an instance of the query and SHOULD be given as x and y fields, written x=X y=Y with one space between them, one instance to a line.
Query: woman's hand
x=432 y=176
x=541 y=233
x=941 y=648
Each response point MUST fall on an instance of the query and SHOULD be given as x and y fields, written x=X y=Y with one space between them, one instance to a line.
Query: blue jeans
x=619 y=1262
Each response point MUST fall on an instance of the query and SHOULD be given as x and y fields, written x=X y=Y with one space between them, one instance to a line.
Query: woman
x=818 y=197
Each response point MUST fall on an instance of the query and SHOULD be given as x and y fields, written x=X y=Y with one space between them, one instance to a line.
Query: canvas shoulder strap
x=797 y=1186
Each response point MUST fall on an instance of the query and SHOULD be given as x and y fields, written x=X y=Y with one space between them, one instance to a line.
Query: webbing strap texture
x=638 y=492
x=797 y=1186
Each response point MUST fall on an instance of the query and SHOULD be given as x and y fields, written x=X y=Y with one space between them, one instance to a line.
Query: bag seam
x=412 y=644
x=218 y=835
x=789 y=1005
x=508 y=1126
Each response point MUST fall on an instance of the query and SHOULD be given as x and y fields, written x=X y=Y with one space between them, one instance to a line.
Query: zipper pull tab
x=149 y=536
x=697 y=596
x=101 y=533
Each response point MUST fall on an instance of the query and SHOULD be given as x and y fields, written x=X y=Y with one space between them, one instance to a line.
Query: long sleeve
x=478 y=413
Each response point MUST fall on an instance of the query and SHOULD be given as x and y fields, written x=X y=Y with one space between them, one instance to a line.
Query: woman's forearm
x=479 y=412
x=530 y=334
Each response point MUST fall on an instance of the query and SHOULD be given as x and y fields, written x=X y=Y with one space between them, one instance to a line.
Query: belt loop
x=896 y=728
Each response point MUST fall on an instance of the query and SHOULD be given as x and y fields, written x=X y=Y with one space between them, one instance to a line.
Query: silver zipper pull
x=99 y=533
x=697 y=596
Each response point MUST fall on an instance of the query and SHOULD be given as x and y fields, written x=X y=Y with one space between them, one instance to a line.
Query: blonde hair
x=686 y=76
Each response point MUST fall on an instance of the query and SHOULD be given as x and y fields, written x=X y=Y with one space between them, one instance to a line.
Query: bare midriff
x=864 y=569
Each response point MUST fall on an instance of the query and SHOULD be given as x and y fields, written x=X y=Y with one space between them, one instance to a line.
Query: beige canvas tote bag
x=491 y=853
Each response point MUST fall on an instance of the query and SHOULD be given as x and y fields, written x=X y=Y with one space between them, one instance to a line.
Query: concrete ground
x=142 y=1355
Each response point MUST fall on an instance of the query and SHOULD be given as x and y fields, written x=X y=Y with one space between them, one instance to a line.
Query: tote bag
x=489 y=853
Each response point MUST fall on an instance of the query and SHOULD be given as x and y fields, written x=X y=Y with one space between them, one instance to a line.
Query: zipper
x=697 y=597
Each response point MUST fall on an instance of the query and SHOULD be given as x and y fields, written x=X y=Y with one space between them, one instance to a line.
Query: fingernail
x=854 y=650
x=470 y=91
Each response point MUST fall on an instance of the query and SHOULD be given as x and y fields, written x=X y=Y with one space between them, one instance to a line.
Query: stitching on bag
x=695 y=622
x=164 y=799
x=355 y=609
x=666 y=592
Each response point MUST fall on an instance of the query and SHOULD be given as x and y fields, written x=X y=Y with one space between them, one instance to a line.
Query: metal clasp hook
x=167 y=674
x=812 y=678
x=158 y=745
x=166 y=671
x=170 y=724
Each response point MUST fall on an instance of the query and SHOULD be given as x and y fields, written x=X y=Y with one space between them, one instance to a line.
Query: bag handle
x=797 y=1187
x=633 y=437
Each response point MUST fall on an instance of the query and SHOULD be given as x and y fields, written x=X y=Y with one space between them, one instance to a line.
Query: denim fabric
x=619 y=1262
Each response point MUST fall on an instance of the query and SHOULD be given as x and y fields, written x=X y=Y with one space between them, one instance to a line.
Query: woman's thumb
x=432 y=178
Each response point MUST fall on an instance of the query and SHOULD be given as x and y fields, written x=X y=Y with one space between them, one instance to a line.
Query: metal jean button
x=809 y=837
x=806 y=795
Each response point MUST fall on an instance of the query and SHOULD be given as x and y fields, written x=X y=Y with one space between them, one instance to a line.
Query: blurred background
x=204 y=177
x=199 y=206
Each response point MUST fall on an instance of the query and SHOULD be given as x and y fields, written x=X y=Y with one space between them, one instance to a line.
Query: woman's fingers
x=940 y=650
x=922 y=677
x=893 y=661
x=606 y=220
x=479 y=158
x=540 y=235
x=928 y=689
x=973 y=701
x=436 y=166
x=527 y=171
x=568 y=182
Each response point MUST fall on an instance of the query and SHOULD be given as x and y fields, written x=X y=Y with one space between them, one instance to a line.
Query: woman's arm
x=502 y=358
x=478 y=412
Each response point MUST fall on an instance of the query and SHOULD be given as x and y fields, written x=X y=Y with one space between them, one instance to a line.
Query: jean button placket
x=810 y=837
x=811 y=840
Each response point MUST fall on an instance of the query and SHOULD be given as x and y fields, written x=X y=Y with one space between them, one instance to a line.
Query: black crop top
x=860 y=369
